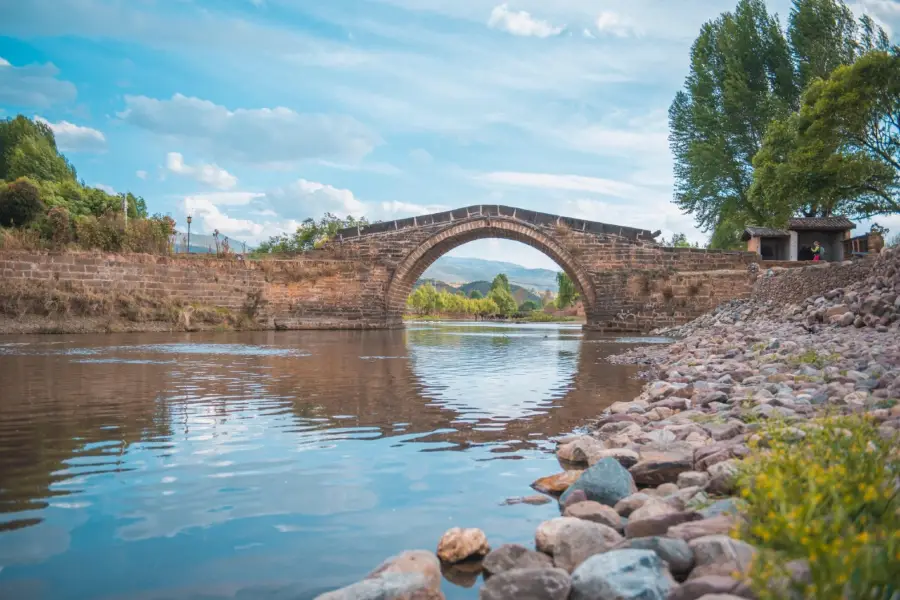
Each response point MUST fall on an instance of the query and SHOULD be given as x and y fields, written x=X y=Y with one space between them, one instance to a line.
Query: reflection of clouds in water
x=269 y=481
x=33 y=545
x=494 y=373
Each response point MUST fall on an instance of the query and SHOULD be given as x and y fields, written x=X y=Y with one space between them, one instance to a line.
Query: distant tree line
x=44 y=204
x=426 y=300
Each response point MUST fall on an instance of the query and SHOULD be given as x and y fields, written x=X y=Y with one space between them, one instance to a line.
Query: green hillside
x=520 y=293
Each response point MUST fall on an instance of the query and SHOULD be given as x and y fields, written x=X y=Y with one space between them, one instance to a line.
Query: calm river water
x=276 y=464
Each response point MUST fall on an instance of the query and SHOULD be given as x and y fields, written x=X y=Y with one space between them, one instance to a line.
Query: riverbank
x=759 y=461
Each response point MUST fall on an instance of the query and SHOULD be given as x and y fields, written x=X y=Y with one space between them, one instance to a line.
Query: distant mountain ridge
x=518 y=292
x=457 y=270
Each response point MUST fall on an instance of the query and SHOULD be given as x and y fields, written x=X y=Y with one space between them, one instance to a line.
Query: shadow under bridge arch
x=418 y=260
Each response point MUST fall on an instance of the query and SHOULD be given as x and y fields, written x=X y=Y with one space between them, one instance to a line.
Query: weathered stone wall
x=302 y=293
x=793 y=285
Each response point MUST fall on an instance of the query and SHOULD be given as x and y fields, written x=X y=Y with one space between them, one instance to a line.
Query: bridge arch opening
x=416 y=262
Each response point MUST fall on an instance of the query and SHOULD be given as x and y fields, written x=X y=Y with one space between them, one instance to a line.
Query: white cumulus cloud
x=313 y=199
x=211 y=175
x=141 y=174
x=76 y=138
x=521 y=23
x=274 y=136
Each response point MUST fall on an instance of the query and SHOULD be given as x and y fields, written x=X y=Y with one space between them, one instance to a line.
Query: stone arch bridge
x=362 y=277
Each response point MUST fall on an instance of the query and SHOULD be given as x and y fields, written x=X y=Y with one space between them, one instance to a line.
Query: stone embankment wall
x=791 y=286
x=306 y=293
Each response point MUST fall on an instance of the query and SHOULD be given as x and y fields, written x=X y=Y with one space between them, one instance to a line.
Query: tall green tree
x=741 y=78
x=567 y=294
x=841 y=152
x=506 y=304
x=501 y=281
x=745 y=74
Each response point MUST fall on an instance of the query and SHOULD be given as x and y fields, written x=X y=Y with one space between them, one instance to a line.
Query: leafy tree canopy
x=746 y=73
x=501 y=296
x=501 y=281
x=841 y=152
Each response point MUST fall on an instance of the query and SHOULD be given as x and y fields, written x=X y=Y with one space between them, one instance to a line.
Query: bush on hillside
x=110 y=234
x=20 y=203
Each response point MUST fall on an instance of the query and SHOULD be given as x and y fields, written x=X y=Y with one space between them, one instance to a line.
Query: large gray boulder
x=621 y=575
x=606 y=482
x=527 y=584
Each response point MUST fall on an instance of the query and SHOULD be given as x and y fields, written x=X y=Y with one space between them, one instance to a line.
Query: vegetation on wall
x=43 y=204
x=747 y=78
x=309 y=235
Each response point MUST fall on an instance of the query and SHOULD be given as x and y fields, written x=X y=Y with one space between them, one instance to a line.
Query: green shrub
x=58 y=226
x=110 y=234
x=830 y=498
x=20 y=203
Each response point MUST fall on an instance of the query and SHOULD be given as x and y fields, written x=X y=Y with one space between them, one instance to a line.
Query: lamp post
x=189 y=219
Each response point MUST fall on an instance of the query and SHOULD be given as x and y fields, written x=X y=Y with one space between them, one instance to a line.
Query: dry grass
x=295 y=272
x=61 y=300
x=21 y=239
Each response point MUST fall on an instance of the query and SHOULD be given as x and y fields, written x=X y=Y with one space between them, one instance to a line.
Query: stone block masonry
x=307 y=293
x=627 y=282
x=362 y=278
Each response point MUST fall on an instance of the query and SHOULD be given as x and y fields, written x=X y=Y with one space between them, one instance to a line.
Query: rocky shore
x=649 y=498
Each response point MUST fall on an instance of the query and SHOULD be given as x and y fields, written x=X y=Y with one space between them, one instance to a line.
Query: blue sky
x=255 y=114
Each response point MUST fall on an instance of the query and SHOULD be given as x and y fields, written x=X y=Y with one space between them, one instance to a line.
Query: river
x=276 y=464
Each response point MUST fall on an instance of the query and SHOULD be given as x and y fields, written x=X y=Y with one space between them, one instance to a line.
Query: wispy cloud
x=521 y=23
x=573 y=183
x=35 y=86
x=266 y=135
